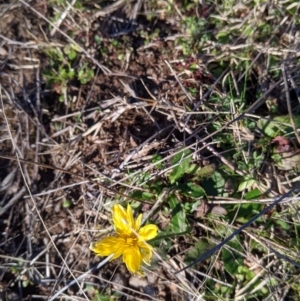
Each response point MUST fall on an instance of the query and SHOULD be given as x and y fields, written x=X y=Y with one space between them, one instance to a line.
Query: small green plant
x=100 y=296
x=185 y=192
x=63 y=68
x=67 y=204
x=85 y=74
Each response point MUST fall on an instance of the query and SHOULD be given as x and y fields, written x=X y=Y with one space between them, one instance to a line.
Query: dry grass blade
x=288 y=100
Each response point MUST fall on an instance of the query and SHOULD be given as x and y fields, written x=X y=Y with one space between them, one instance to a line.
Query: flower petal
x=137 y=224
x=109 y=245
x=132 y=257
x=122 y=223
x=146 y=252
x=130 y=218
x=148 y=232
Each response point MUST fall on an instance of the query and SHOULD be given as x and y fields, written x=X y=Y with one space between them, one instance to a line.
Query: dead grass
x=171 y=106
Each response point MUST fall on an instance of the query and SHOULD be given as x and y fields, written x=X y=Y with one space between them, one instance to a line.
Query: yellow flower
x=129 y=241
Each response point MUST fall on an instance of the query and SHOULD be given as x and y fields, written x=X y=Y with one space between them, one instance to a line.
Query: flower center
x=131 y=241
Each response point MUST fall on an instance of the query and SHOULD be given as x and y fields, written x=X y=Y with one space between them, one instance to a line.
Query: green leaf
x=278 y=126
x=67 y=203
x=245 y=273
x=232 y=260
x=283 y=224
x=223 y=37
x=25 y=283
x=192 y=169
x=178 y=222
x=193 y=190
x=165 y=234
x=190 y=207
x=197 y=251
x=85 y=74
x=173 y=201
x=199 y=172
x=70 y=52
x=182 y=165
x=253 y=194
x=246 y=211
x=247 y=184
x=205 y=172
x=157 y=158
x=215 y=184
x=143 y=195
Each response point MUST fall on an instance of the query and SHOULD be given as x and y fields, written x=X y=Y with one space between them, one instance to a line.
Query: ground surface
x=187 y=111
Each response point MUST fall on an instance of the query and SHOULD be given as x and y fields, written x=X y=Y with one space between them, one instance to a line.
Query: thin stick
x=76 y=280
x=238 y=231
